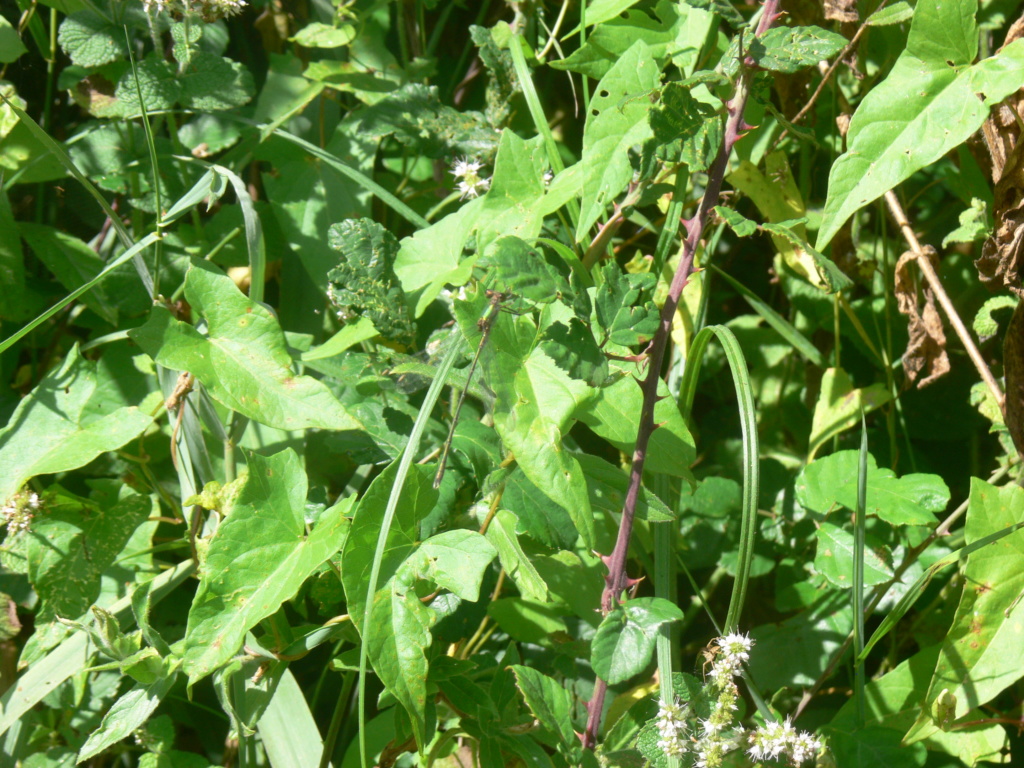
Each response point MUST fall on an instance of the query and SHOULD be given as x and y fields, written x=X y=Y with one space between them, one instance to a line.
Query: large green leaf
x=875 y=746
x=127 y=714
x=913 y=499
x=616 y=123
x=980 y=656
x=258 y=558
x=454 y=560
x=934 y=98
x=536 y=400
x=55 y=429
x=242 y=359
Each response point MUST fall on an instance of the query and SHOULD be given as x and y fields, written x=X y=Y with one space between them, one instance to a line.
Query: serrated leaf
x=212 y=83
x=790 y=49
x=363 y=286
x=549 y=702
x=834 y=558
x=54 y=429
x=985 y=325
x=574 y=350
x=624 y=643
x=979 y=655
x=973 y=224
x=91 y=40
x=258 y=558
x=624 y=306
x=934 y=98
x=242 y=360
x=616 y=123
x=71 y=547
x=913 y=499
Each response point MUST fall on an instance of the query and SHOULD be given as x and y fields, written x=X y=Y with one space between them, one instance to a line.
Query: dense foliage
x=443 y=383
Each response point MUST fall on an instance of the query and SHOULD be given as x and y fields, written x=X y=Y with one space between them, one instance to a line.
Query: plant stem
x=617 y=580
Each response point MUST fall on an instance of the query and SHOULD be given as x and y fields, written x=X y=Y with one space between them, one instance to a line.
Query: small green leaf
x=128 y=713
x=258 y=558
x=741 y=225
x=839 y=406
x=501 y=533
x=319 y=35
x=974 y=224
x=987 y=326
x=54 y=428
x=913 y=499
x=896 y=13
x=242 y=360
x=624 y=643
x=212 y=83
x=91 y=40
x=11 y=46
x=790 y=49
x=686 y=127
x=834 y=558
x=625 y=310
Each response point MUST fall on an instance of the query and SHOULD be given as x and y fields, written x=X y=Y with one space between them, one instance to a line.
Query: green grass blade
x=411 y=448
x=797 y=340
x=131 y=253
x=361 y=179
x=72 y=655
x=751 y=468
x=858 y=570
x=65 y=160
x=287 y=728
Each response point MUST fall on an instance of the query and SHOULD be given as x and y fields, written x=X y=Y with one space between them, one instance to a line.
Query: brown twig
x=617 y=581
x=947 y=305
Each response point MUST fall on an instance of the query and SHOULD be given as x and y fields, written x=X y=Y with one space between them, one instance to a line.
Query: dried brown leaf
x=926 y=350
x=1002 y=255
x=842 y=10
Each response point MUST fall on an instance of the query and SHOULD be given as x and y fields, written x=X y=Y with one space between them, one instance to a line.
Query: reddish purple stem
x=617 y=580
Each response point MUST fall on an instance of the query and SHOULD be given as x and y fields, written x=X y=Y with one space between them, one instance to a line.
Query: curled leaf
x=926 y=349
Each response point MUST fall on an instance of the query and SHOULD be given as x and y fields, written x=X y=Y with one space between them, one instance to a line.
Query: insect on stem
x=484 y=324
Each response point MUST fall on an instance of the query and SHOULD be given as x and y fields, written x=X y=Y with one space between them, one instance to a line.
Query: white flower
x=736 y=646
x=776 y=739
x=471 y=183
x=803 y=747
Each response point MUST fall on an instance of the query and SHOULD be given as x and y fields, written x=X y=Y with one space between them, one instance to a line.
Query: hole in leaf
x=595 y=112
x=603 y=94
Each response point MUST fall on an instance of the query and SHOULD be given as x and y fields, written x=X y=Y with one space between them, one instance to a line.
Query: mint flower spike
x=780 y=739
x=674 y=737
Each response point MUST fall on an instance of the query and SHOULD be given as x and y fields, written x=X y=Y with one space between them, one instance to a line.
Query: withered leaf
x=842 y=10
x=1013 y=370
x=1002 y=255
x=926 y=350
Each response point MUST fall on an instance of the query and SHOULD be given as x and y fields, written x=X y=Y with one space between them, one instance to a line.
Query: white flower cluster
x=717 y=735
x=210 y=10
x=471 y=183
x=18 y=511
x=774 y=740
